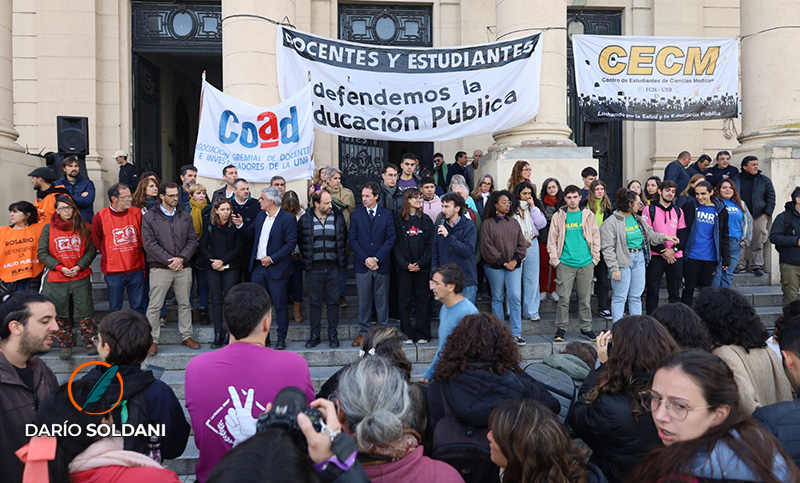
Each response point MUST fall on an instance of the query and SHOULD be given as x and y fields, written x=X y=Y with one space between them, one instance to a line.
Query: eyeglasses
x=505 y=202
x=65 y=208
x=526 y=169
x=676 y=410
x=171 y=196
x=487 y=183
x=96 y=341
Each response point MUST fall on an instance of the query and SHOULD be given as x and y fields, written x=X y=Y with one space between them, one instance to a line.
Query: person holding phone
x=219 y=250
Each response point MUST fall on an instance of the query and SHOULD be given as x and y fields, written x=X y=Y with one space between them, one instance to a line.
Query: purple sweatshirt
x=227 y=389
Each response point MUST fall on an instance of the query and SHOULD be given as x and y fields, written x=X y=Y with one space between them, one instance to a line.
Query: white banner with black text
x=656 y=78
x=412 y=94
x=261 y=142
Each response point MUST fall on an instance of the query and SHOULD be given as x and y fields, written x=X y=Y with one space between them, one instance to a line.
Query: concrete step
x=758 y=295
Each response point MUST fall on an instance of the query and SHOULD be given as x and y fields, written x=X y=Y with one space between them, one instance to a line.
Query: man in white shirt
x=274 y=235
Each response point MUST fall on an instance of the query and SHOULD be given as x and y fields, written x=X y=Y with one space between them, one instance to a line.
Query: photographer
x=273 y=455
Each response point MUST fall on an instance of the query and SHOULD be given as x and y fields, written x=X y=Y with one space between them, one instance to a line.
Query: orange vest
x=121 y=249
x=18 y=259
x=46 y=207
x=67 y=247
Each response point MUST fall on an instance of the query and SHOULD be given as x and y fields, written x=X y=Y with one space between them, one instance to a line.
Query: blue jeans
x=133 y=282
x=502 y=280
x=530 y=281
x=469 y=293
x=629 y=287
x=723 y=278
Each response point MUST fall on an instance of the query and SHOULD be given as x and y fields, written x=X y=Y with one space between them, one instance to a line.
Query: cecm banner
x=656 y=78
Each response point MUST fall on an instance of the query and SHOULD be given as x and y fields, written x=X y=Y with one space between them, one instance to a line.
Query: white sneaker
x=543 y=295
x=422 y=341
x=408 y=342
x=535 y=318
x=554 y=296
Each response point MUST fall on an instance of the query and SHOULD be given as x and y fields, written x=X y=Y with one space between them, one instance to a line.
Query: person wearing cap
x=79 y=187
x=43 y=181
x=127 y=171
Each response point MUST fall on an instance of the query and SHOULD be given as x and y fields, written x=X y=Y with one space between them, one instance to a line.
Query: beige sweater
x=759 y=376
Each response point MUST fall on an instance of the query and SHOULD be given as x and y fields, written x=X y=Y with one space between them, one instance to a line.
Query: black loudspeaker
x=73 y=135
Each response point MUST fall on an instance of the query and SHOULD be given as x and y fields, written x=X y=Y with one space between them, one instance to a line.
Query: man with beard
x=43 y=181
x=27 y=326
x=78 y=186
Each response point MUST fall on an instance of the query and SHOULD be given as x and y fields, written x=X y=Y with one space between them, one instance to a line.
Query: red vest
x=122 y=250
x=67 y=247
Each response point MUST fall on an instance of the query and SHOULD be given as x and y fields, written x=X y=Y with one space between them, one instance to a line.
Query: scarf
x=550 y=200
x=60 y=223
x=150 y=203
x=397 y=450
x=109 y=452
x=197 y=216
x=525 y=221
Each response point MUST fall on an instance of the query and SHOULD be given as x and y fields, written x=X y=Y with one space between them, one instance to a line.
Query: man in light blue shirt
x=447 y=283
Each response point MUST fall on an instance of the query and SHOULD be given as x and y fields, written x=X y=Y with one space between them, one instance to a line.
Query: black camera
x=290 y=402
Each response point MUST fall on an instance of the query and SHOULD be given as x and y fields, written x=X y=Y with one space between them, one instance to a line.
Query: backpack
x=558 y=383
x=464 y=447
x=652 y=209
x=133 y=411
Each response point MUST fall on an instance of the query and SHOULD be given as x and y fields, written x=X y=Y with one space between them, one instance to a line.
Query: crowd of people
x=692 y=390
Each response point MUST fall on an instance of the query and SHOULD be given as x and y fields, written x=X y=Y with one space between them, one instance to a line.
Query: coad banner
x=260 y=141
x=412 y=94
x=656 y=78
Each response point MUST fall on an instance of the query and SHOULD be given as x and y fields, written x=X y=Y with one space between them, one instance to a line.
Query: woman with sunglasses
x=625 y=239
x=66 y=249
x=707 y=434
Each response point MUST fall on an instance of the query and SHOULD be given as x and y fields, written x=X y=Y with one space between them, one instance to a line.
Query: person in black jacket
x=412 y=257
x=758 y=194
x=322 y=237
x=122 y=340
x=608 y=415
x=785 y=235
x=220 y=248
x=478 y=369
x=783 y=419
x=245 y=210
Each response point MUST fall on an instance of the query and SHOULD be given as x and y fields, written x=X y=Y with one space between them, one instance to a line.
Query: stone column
x=771 y=99
x=8 y=135
x=543 y=141
x=512 y=18
x=249 y=68
x=770 y=90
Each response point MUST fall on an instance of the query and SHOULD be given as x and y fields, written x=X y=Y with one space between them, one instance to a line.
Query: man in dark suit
x=274 y=234
x=372 y=236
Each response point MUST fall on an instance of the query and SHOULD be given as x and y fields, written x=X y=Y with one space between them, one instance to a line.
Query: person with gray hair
x=382 y=412
x=274 y=236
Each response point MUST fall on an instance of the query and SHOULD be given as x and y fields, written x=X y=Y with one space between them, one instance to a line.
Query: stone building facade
x=133 y=69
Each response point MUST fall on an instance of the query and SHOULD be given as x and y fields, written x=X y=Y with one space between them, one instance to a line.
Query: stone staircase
x=323 y=361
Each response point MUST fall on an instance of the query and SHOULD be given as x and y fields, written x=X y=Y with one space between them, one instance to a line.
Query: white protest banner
x=656 y=78
x=412 y=94
x=260 y=141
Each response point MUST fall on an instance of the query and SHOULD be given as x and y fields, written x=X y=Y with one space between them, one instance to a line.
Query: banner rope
x=780 y=27
x=541 y=29
x=284 y=21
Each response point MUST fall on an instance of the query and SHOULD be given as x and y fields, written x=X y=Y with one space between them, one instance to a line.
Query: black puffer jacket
x=305 y=237
x=618 y=442
x=785 y=235
x=783 y=420
x=474 y=392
